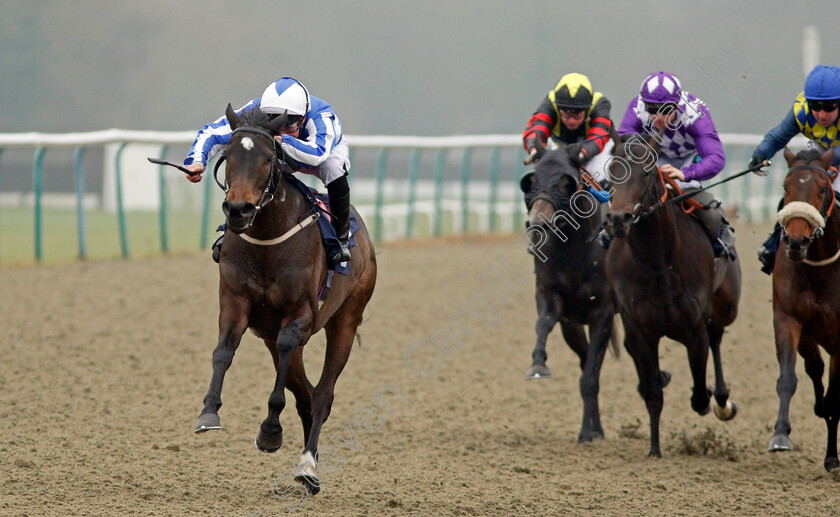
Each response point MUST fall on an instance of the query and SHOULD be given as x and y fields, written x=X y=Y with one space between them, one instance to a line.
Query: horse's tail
x=615 y=338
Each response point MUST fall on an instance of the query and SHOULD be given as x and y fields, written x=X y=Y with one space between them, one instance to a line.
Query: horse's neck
x=281 y=214
x=653 y=239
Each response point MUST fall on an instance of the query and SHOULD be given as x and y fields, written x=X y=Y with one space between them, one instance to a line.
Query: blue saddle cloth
x=320 y=202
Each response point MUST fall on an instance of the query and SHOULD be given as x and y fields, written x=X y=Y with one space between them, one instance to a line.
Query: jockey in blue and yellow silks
x=814 y=114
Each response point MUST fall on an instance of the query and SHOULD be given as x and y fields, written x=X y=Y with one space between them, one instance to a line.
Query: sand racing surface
x=105 y=365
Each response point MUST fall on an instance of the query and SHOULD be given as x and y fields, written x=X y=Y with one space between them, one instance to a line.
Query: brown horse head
x=252 y=172
x=808 y=201
x=636 y=183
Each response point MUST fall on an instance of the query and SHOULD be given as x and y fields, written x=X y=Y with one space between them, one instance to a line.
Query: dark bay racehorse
x=806 y=297
x=272 y=287
x=571 y=285
x=666 y=282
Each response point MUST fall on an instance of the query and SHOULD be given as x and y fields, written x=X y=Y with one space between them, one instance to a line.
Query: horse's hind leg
x=300 y=386
x=548 y=311
x=600 y=332
x=832 y=409
x=340 y=331
x=232 y=324
x=290 y=337
x=788 y=332
x=725 y=409
x=814 y=367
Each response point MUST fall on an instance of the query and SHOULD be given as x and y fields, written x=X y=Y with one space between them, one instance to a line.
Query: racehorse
x=806 y=302
x=571 y=285
x=666 y=282
x=272 y=287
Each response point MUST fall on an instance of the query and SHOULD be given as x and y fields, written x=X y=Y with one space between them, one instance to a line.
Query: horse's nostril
x=248 y=209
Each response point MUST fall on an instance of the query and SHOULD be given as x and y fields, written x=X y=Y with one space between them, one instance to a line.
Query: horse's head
x=808 y=201
x=637 y=188
x=252 y=174
x=549 y=188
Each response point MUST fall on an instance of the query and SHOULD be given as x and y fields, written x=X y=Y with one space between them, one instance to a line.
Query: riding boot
x=767 y=251
x=339 y=194
x=217 y=244
x=727 y=239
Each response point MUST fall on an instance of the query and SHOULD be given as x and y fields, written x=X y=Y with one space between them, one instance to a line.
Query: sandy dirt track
x=106 y=363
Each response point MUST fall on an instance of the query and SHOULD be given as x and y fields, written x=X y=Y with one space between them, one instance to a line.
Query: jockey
x=311 y=140
x=572 y=113
x=690 y=150
x=814 y=114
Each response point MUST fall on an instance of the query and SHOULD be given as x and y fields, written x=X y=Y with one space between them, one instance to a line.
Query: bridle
x=640 y=210
x=273 y=182
x=829 y=201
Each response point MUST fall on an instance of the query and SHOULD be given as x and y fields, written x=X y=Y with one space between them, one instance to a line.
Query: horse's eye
x=268 y=159
x=823 y=190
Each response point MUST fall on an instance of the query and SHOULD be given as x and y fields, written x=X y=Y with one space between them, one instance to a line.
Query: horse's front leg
x=788 y=331
x=645 y=353
x=548 y=312
x=600 y=331
x=233 y=321
x=290 y=337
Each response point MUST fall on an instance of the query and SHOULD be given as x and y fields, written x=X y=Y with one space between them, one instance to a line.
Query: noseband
x=271 y=185
x=797 y=211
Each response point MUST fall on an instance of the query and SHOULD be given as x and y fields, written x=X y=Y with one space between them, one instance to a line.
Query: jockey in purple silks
x=690 y=150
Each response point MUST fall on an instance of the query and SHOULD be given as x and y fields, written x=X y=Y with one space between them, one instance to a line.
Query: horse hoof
x=268 y=442
x=307 y=473
x=589 y=437
x=538 y=371
x=664 y=378
x=779 y=443
x=207 y=422
x=726 y=412
x=833 y=465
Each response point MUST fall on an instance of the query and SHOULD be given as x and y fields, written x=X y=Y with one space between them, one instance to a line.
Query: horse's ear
x=275 y=125
x=234 y=120
x=790 y=157
x=655 y=140
x=827 y=158
x=616 y=138
x=526 y=183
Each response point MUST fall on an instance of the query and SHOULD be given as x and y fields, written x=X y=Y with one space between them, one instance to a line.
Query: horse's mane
x=255 y=117
x=809 y=155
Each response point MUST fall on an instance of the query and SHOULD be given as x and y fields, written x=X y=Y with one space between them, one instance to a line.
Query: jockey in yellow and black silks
x=573 y=113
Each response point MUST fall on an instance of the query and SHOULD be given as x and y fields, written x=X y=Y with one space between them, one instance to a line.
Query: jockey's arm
x=778 y=137
x=539 y=125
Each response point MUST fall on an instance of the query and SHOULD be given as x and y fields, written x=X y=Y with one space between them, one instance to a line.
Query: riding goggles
x=827 y=106
x=662 y=108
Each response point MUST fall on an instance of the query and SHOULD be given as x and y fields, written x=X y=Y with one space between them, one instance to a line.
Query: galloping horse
x=806 y=299
x=571 y=285
x=271 y=267
x=666 y=282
